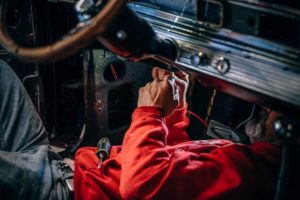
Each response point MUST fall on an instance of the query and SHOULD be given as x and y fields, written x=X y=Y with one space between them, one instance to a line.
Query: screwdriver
x=103 y=149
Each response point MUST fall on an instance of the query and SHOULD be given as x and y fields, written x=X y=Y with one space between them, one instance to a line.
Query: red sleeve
x=91 y=183
x=177 y=122
x=150 y=171
x=87 y=182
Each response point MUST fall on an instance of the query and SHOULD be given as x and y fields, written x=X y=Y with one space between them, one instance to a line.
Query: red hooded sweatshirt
x=157 y=161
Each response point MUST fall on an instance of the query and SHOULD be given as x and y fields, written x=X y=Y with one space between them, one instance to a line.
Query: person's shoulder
x=3 y=64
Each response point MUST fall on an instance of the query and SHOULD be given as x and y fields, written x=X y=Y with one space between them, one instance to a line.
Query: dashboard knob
x=223 y=65
x=199 y=59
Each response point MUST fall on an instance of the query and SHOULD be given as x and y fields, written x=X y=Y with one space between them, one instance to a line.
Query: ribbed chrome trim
x=218 y=38
x=259 y=65
x=265 y=76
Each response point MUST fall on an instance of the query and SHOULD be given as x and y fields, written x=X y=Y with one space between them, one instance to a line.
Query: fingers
x=158 y=73
x=168 y=76
x=171 y=84
x=182 y=75
x=164 y=73
x=155 y=73
x=160 y=93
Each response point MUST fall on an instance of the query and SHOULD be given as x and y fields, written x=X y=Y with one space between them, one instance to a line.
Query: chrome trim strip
x=269 y=77
x=259 y=65
x=182 y=25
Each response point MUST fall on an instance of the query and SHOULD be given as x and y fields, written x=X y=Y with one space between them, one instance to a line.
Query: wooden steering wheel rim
x=68 y=45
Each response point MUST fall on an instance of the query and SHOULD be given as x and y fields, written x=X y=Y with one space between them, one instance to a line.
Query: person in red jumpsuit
x=158 y=161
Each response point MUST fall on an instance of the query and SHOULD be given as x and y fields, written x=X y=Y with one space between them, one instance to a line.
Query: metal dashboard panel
x=264 y=67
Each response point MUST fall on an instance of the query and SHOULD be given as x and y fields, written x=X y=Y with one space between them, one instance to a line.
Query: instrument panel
x=252 y=68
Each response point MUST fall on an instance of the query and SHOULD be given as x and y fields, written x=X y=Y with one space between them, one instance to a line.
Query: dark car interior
x=242 y=56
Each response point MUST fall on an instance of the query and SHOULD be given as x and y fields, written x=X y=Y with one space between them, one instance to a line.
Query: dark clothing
x=26 y=169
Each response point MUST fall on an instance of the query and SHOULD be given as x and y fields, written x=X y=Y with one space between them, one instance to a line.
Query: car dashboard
x=242 y=57
x=226 y=58
x=239 y=54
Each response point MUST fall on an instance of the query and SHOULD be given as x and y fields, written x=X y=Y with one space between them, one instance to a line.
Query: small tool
x=103 y=149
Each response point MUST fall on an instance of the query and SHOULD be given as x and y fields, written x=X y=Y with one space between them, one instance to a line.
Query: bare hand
x=181 y=81
x=160 y=93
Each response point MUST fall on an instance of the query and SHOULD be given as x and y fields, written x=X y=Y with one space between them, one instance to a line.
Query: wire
x=211 y=103
x=113 y=71
x=197 y=117
x=246 y=120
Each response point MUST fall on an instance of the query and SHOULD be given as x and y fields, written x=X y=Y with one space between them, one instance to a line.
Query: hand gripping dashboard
x=251 y=68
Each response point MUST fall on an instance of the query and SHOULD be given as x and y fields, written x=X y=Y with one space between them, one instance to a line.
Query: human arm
x=178 y=121
x=150 y=169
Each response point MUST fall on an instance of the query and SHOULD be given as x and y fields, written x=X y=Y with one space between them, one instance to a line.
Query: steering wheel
x=71 y=43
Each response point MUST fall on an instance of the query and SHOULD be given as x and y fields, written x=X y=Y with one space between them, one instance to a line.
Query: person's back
x=157 y=160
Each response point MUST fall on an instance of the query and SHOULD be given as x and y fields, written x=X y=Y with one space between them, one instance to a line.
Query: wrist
x=148 y=110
